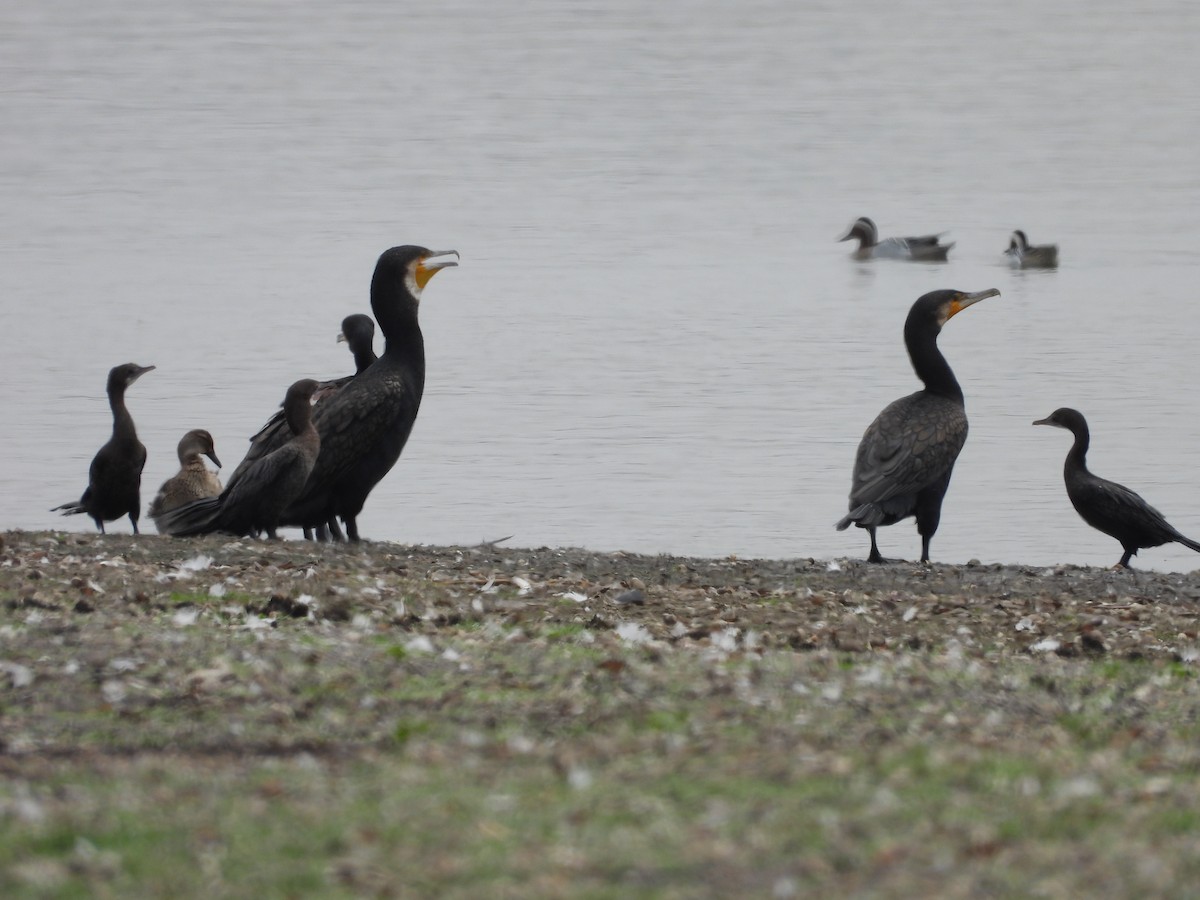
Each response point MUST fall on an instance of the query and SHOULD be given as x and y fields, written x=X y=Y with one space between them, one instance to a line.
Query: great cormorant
x=907 y=454
x=365 y=425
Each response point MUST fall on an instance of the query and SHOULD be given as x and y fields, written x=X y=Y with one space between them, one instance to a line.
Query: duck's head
x=863 y=229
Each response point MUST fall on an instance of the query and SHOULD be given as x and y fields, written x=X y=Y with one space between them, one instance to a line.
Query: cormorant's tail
x=864 y=515
x=1187 y=542
x=70 y=509
x=198 y=517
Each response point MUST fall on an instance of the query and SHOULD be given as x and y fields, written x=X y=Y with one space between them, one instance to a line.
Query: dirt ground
x=560 y=721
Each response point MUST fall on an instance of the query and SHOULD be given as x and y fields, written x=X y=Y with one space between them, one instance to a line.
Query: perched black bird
x=1106 y=505
x=254 y=500
x=358 y=333
x=365 y=425
x=115 y=476
x=926 y=248
x=907 y=454
x=193 y=481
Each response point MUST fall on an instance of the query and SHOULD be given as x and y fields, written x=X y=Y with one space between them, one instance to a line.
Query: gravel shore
x=845 y=604
x=215 y=717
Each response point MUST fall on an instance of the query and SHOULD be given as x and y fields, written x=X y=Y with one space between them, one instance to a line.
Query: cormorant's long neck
x=931 y=367
x=298 y=414
x=396 y=312
x=1077 y=456
x=363 y=357
x=123 y=428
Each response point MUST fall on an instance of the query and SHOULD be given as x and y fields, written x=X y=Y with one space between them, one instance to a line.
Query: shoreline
x=583 y=715
x=801 y=603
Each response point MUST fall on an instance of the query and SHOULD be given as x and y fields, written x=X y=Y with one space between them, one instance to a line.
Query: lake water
x=653 y=342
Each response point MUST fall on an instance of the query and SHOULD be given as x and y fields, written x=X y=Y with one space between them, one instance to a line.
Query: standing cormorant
x=365 y=425
x=193 y=481
x=1106 y=505
x=115 y=476
x=907 y=454
x=1023 y=255
x=926 y=248
x=358 y=333
x=254 y=500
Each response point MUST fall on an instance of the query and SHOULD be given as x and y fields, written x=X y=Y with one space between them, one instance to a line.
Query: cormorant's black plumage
x=365 y=425
x=358 y=332
x=1106 y=505
x=115 y=476
x=907 y=454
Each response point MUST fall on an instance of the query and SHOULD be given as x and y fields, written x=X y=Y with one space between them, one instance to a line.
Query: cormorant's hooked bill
x=432 y=262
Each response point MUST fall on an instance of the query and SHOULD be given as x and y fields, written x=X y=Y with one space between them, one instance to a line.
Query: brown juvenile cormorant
x=1106 y=505
x=193 y=481
x=358 y=333
x=365 y=425
x=254 y=499
x=115 y=476
x=926 y=248
x=907 y=454
x=1023 y=255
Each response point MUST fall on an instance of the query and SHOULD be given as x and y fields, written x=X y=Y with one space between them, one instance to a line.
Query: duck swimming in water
x=1023 y=255
x=926 y=248
x=193 y=481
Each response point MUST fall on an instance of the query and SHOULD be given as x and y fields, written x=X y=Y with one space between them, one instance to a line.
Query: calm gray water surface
x=653 y=342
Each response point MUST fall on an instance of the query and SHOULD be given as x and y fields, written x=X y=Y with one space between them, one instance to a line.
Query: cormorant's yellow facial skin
x=428 y=266
x=423 y=274
x=962 y=300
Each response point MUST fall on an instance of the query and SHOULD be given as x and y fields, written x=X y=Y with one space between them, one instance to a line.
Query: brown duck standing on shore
x=257 y=494
x=193 y=481
x=115 y=476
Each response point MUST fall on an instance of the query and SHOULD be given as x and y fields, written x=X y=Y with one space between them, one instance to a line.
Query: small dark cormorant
x=907 y=454
x=254 y=500
x=193 y=481
x=926 y=248
x=115 y=476
x=1106 y=505
x=1023 y=255
x=365 y=425
x=358 y=333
